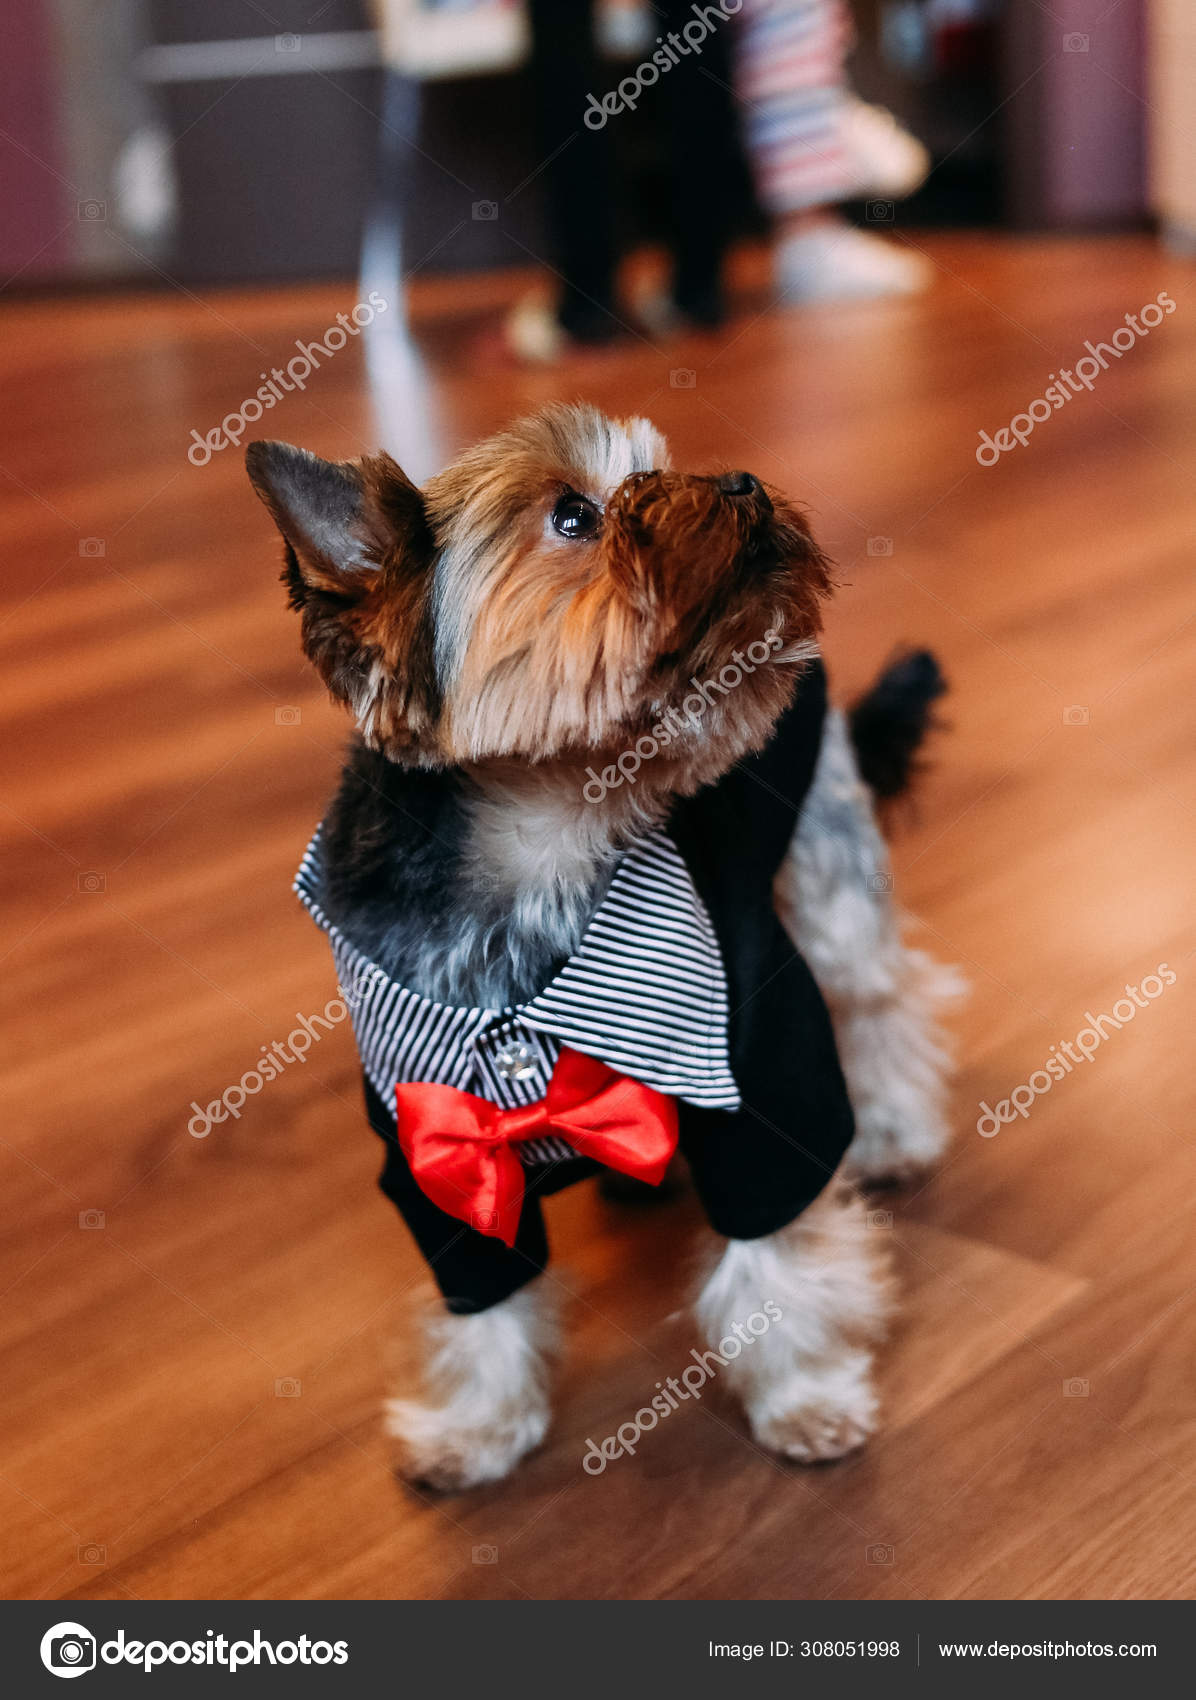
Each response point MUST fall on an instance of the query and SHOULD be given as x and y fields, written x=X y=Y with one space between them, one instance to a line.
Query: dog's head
x=558 y=593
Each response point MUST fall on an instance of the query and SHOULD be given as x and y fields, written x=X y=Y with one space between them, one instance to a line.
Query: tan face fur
x=547 y=597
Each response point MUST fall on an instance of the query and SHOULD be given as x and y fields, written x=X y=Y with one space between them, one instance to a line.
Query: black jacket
x=755 y=1168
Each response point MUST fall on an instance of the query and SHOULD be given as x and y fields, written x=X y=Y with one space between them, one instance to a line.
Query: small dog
x=604 y=860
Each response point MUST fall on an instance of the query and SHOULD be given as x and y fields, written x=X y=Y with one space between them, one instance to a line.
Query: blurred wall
x=1075 y=113
x=1173 y=119
x=84 y=168
x=274 y=114
x=35 y=229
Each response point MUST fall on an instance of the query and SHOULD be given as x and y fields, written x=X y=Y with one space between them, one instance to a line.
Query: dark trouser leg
x=701 y=119
x=473 y=1270
x=577 y=180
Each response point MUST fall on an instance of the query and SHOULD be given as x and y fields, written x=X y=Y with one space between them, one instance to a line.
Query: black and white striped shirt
x=645 y=992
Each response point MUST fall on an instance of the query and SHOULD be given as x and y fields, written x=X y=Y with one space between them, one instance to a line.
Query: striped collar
x=645 y=992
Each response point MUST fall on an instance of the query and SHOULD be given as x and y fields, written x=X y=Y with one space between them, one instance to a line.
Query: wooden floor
x=194 y=1330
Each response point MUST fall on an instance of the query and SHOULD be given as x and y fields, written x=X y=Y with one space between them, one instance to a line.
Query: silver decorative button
x=515 y=1060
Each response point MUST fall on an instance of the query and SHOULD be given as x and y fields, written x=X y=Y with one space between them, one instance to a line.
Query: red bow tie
x=461 y=1148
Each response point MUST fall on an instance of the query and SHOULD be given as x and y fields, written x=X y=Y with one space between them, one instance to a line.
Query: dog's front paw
x=818 y=1414
x=434 y=1450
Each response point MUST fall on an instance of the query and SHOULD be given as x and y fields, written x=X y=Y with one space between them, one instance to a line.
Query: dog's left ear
x=359 y=553
x=341 y=520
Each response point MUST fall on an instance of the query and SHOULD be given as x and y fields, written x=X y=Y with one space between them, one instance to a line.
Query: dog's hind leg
x=834 y=896
x=485 y=1400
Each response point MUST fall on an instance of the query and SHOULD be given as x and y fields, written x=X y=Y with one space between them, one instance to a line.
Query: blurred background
x=122 y=168
x=194 y=1323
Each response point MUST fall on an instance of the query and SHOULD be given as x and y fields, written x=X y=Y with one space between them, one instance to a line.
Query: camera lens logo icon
x=68 y=1649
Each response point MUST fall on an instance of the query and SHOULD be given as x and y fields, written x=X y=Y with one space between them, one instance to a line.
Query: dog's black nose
x=738 y=484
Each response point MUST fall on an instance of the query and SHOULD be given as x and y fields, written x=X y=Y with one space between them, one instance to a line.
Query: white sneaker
x=885 y=159
x=658 y=312
x=533 y=334
x=834 y=261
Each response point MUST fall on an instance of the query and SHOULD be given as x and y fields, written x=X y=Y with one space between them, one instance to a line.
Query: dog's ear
x=340 y=520
x=359 y=553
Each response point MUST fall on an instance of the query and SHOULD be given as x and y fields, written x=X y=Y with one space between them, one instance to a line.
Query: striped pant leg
x=789 y=75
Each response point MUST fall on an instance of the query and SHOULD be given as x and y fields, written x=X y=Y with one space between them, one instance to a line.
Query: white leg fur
x=806 y=1384
x=486 y=1385
x=895 y=1060
x=833 y=895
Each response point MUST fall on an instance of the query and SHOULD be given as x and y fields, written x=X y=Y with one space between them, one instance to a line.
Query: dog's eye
x=573 y=516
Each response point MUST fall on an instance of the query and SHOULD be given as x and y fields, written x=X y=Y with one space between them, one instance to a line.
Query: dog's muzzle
x=739 y=484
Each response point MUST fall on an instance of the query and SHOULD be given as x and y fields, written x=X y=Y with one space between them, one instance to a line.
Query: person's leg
x=811 y=143
x=578 y=193
x=700 y=118
x=791 y=82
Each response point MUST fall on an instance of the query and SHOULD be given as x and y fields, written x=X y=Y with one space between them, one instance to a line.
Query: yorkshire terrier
x=608 y=868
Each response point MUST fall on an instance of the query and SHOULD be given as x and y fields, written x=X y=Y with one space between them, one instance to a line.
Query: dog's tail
x=890 y=722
